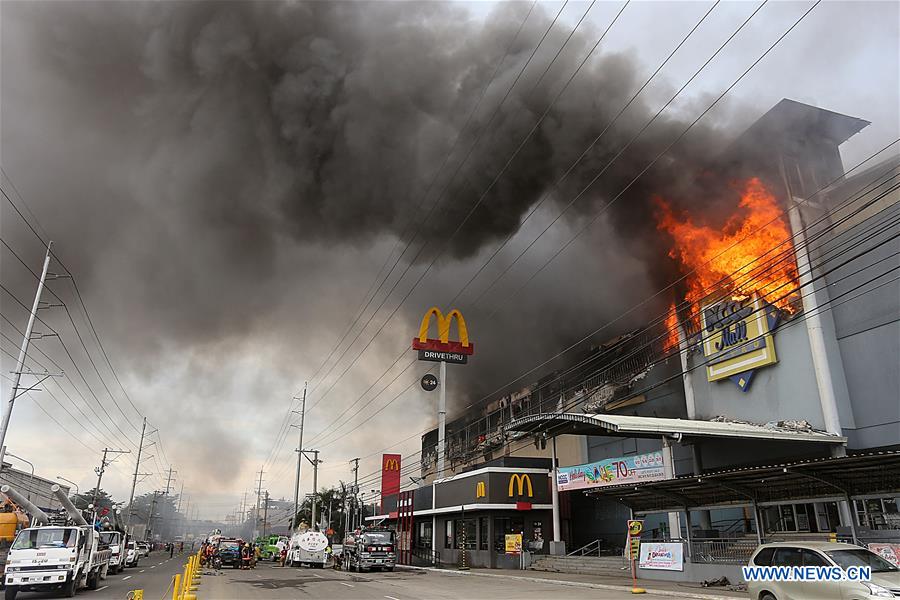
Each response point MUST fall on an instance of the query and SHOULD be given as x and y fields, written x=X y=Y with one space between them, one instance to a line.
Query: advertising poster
x=662 y=556
x=613 y=471
x=889 y=552
x=513 y=543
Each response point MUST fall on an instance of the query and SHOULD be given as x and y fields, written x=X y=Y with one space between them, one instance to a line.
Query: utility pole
x=23 y=351
x=136 y=468
x=148 y=535
x=355 y=491
x=258 y=496
x=180 y=494
x=169 y=480
x=265 y=513
x=101 y=470
x=315 y=463
x=344 y=509
x=299 y=461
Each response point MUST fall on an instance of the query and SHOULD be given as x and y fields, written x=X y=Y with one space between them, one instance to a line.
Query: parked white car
x=144 y=548
x=885 y=582
x=132 y=554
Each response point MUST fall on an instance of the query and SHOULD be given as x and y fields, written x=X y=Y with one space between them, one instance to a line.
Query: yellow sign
x=513 y=543
x=523 y=482
x=737 y=338
x=479 y=490
x=635 y=527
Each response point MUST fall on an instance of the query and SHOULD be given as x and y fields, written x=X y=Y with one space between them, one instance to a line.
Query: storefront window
x=465 y=534
x=423 y=539
x=483 y=540
x=502 y=526
x=448 y=533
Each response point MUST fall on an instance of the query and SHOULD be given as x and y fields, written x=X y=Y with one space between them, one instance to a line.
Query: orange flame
x=752 y=253
x=670 y=342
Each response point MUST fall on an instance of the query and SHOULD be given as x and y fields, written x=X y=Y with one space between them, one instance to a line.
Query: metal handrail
x=589 y=548
x=722 y=550
x=428 y=555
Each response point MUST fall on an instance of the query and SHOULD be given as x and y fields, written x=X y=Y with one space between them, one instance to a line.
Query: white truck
x=115 y=541
x=53 y=558
x=308 y=548
x=64 y=558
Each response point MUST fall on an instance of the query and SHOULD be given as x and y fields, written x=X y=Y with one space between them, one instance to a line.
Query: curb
x=581 y=584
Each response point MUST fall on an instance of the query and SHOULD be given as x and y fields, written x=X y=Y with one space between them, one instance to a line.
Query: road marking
x=392 y=598
x=152 y=566
x=317 y=575
x=347 y=584
x=126 y=577
x=101 y=588
x=142 y=570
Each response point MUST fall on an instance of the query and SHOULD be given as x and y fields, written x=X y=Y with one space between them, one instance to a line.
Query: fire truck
x=369 y=548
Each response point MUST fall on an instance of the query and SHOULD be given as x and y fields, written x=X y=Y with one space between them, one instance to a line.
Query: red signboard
x=390 y=477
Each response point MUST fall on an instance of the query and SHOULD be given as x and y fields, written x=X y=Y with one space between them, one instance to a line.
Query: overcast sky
x=226 y=183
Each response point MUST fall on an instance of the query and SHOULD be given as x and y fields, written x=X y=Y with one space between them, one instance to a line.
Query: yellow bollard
x=176 y=586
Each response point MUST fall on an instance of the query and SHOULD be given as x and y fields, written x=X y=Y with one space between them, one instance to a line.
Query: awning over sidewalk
x=825 y=479
x=655 y=427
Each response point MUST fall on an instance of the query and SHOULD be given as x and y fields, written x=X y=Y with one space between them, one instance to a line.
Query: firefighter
x=246 y=554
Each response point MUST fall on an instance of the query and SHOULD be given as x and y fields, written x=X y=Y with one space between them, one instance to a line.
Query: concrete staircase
x=605 y=566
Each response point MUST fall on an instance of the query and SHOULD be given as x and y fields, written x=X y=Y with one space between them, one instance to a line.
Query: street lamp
x=77 y=490
x=31 y=480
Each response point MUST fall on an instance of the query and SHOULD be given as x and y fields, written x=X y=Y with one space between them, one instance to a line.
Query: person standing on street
x=171 y=549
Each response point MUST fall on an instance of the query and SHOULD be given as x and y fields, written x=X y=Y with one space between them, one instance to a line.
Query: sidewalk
x=620 y=584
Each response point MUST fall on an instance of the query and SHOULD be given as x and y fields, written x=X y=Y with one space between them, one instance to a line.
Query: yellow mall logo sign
x=479 y=490
x=737 y=338
x=442 y=348
x=520 y=483
x=391 y=464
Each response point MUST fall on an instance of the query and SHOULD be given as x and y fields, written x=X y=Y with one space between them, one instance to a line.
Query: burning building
x=779 y=345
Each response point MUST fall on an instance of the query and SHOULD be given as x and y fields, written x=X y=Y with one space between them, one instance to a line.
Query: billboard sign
x=662 y=556
x=612 y=471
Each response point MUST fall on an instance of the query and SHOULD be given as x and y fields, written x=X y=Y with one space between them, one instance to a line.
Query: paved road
x=270 y=582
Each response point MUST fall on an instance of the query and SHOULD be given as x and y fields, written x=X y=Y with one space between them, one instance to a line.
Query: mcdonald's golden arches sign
x=480 y=491
x=520 y=484
x=442 y=348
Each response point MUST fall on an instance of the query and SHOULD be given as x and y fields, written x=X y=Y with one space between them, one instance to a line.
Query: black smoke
x=226 y=177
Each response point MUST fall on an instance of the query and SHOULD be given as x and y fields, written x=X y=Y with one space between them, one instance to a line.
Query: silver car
x=885 y=581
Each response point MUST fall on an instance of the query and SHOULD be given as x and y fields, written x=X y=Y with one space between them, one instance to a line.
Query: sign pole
x=442 y=420
x=633 y=547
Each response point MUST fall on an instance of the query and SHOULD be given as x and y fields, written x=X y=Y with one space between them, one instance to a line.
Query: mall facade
x=638 y=425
